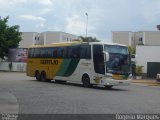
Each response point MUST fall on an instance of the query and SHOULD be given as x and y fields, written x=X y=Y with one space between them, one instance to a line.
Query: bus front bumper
x=113 y=82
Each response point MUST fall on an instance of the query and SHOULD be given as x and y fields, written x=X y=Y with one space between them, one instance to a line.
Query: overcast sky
x=104 y=16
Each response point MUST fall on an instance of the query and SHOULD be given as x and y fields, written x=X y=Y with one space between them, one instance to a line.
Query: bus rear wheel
x=38 y=76
x=43 y=77
x=86 y=81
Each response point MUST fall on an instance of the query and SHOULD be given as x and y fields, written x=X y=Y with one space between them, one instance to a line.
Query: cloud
x=35 y=20
x=75 y=25
x=36 y=7
x=17 y=1
x=104 y=16
x=5 y=3
x=45 y=2
x=14 y=2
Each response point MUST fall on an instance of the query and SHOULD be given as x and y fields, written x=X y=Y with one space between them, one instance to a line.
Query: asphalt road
x=23 y=95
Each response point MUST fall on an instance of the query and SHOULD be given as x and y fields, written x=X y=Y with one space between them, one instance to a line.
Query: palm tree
x=89 y=39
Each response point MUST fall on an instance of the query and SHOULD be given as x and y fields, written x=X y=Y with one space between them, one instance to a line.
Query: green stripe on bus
x=72 y=66
x=68 y=67
x=64 y=67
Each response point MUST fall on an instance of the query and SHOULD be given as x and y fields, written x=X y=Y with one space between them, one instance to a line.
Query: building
x=44 y=38
x=136 y=38
x=147 y=44
x=28 y=38
x=121 y=37
x=56 y=36
x=149 y=58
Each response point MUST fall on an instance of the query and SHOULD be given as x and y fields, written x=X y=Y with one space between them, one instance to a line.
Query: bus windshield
x=119 y=60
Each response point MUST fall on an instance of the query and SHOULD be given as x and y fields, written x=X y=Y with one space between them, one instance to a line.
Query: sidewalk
x=149 y=82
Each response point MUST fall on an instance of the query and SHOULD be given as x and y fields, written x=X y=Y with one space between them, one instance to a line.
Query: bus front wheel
x=86 y=81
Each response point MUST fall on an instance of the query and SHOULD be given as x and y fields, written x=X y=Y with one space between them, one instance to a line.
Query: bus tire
x=43 y=77
x=61 y=81
x=108 y=86
x=86 y=81
x=38 y=76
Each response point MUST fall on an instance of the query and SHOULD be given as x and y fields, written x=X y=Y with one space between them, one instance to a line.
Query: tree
x=132 y=50
x=89 y=39
x=9 y=37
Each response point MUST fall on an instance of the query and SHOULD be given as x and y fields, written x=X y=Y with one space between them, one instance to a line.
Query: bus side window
x=44 y=52
x=32 y=52
x=35 y=52
x=69 y=52
x=59 y=52
x=76 y=51
x=85 y=52
x=64 y=52
x=38 y=52
x=48 y=55
x=41 y=52
x=49 y=52
x=54 y=53
x=73 y=52
x=88 y=53
x=29 y=53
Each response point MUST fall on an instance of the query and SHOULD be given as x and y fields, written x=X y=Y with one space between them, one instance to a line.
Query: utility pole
x=86 y=24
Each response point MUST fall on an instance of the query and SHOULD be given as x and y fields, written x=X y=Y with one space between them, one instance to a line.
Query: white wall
x=16 y=66
x=44 y=38
x=28 y=38
x=152 y=37
x=146 y=54
x=123 y=37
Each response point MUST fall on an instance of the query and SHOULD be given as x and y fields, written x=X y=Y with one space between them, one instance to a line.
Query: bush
x=139 y=70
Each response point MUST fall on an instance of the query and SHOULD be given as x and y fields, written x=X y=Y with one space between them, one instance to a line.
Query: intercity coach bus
x=94 y=63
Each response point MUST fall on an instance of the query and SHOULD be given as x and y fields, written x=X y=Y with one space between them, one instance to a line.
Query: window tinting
x=85 y=52
x=73 y=52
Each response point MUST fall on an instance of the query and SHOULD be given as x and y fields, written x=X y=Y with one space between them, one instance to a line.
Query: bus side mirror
x=106 y=56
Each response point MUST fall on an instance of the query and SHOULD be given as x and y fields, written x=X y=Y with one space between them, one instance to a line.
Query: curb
x=147 y=82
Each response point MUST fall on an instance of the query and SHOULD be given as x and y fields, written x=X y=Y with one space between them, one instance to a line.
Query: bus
x=93 y=63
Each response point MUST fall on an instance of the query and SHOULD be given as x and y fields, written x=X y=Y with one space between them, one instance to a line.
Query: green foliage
x=132 y=50
x=9 y=37
x=139 y=70
x=89 y=39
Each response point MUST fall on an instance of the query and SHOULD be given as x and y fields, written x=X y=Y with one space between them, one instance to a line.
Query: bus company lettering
x=51 y=62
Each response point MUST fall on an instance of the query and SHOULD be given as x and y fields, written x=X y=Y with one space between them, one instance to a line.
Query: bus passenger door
x=98 y=59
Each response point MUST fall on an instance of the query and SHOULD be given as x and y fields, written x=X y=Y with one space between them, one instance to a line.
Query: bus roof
x=73 y=43
x=107 y=43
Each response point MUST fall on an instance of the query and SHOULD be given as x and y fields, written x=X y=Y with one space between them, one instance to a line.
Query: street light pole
x=86 y=24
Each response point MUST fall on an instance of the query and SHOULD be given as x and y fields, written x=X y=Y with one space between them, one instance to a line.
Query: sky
x=104 y=16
